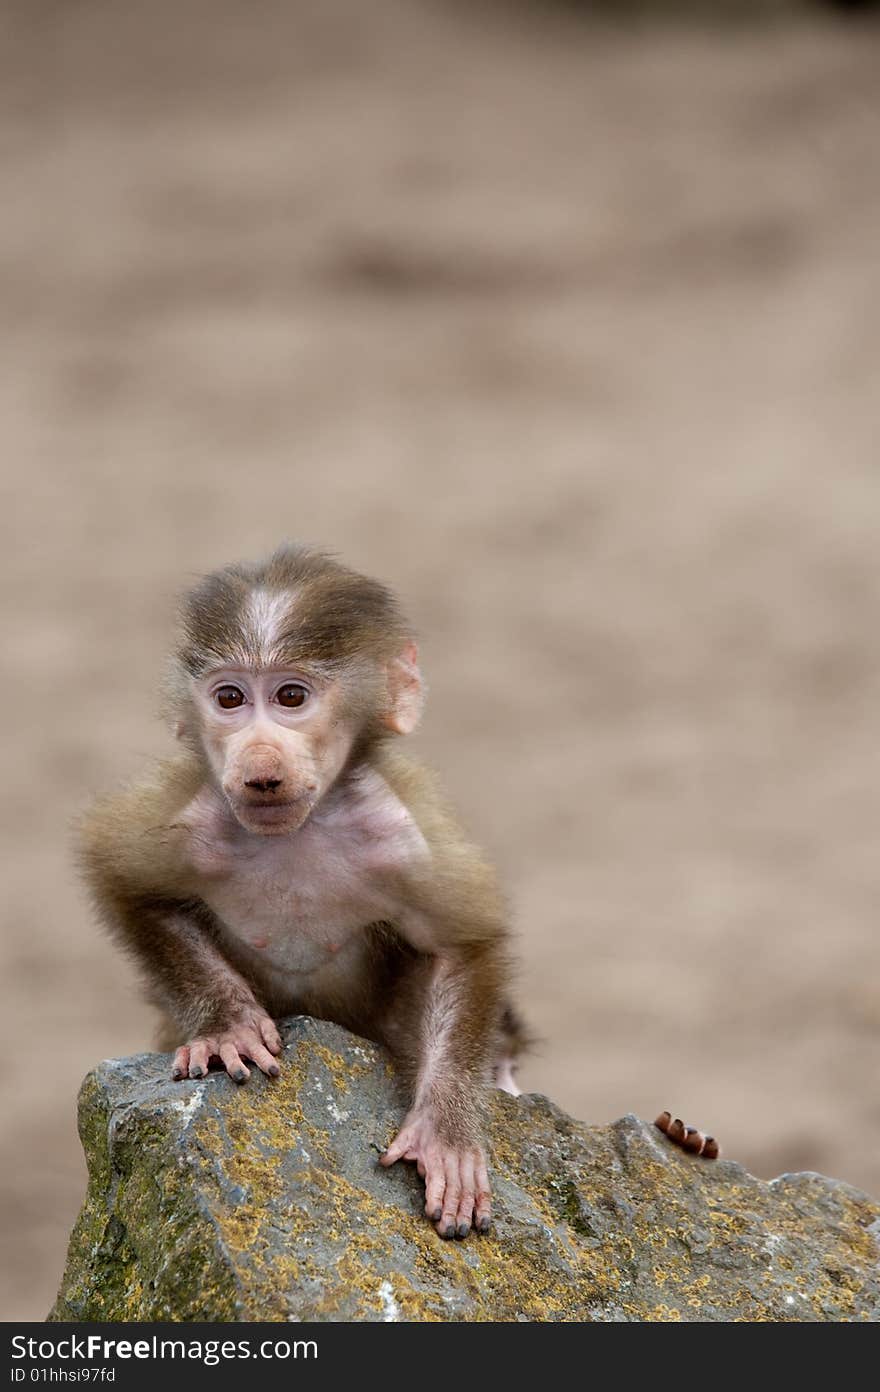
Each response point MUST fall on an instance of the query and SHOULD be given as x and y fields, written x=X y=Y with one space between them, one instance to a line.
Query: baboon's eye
x=229 y=697
x=291 y=695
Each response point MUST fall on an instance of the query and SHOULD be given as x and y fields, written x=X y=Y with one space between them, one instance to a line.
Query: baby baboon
x=290 y=860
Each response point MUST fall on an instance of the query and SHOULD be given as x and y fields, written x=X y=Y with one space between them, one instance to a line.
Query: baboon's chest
x=300 y=901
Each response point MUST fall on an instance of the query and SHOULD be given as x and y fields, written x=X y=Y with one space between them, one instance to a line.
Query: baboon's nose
x=263 y=785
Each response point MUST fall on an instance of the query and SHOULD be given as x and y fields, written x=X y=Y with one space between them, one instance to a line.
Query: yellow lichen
x=252 y=1218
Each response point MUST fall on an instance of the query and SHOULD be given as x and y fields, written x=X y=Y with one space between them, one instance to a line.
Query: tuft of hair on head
x=322 y=612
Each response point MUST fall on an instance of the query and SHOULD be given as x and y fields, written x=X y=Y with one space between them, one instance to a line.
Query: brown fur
x=433 y=986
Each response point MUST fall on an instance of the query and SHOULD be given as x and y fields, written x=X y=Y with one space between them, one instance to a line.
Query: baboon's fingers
x=694 y=1140
x=676 y=1130
x=447 y=1224
x=688 y=1137
x=270 y=1035
x=233 y=1062
x=467 y=1198
x=201 y=1051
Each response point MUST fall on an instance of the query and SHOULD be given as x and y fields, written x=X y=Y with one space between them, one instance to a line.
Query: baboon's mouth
x=266 y=815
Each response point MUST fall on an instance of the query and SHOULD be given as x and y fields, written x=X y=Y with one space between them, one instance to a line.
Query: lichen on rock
x=207 y=1201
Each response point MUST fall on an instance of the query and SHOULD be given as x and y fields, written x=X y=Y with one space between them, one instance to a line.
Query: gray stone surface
x=212 y=1202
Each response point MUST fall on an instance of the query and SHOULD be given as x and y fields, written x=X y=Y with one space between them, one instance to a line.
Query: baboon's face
x=276 y=741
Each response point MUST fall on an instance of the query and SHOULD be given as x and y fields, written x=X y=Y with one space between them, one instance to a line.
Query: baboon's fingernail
x=274 y=1070
x=177 y=1074
x=197 y=1072
x=449 y=1230
x=484 y=1224
x=239 y=1075
x=437 y=1215
x=463 y=1229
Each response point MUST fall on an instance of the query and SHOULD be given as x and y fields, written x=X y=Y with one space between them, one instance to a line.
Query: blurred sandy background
x=573 y=336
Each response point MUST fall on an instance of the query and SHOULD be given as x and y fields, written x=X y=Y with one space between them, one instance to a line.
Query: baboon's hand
x=457 y=1192
x=251 y=1036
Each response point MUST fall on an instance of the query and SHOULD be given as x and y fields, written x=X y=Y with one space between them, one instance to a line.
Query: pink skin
x=300 y=748
x=253 y=1037
x=457 y=1193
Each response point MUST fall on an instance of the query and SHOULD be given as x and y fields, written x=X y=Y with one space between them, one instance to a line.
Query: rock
x=208 y=1201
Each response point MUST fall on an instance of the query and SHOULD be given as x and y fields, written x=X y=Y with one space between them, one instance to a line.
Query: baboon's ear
x=406 y=693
